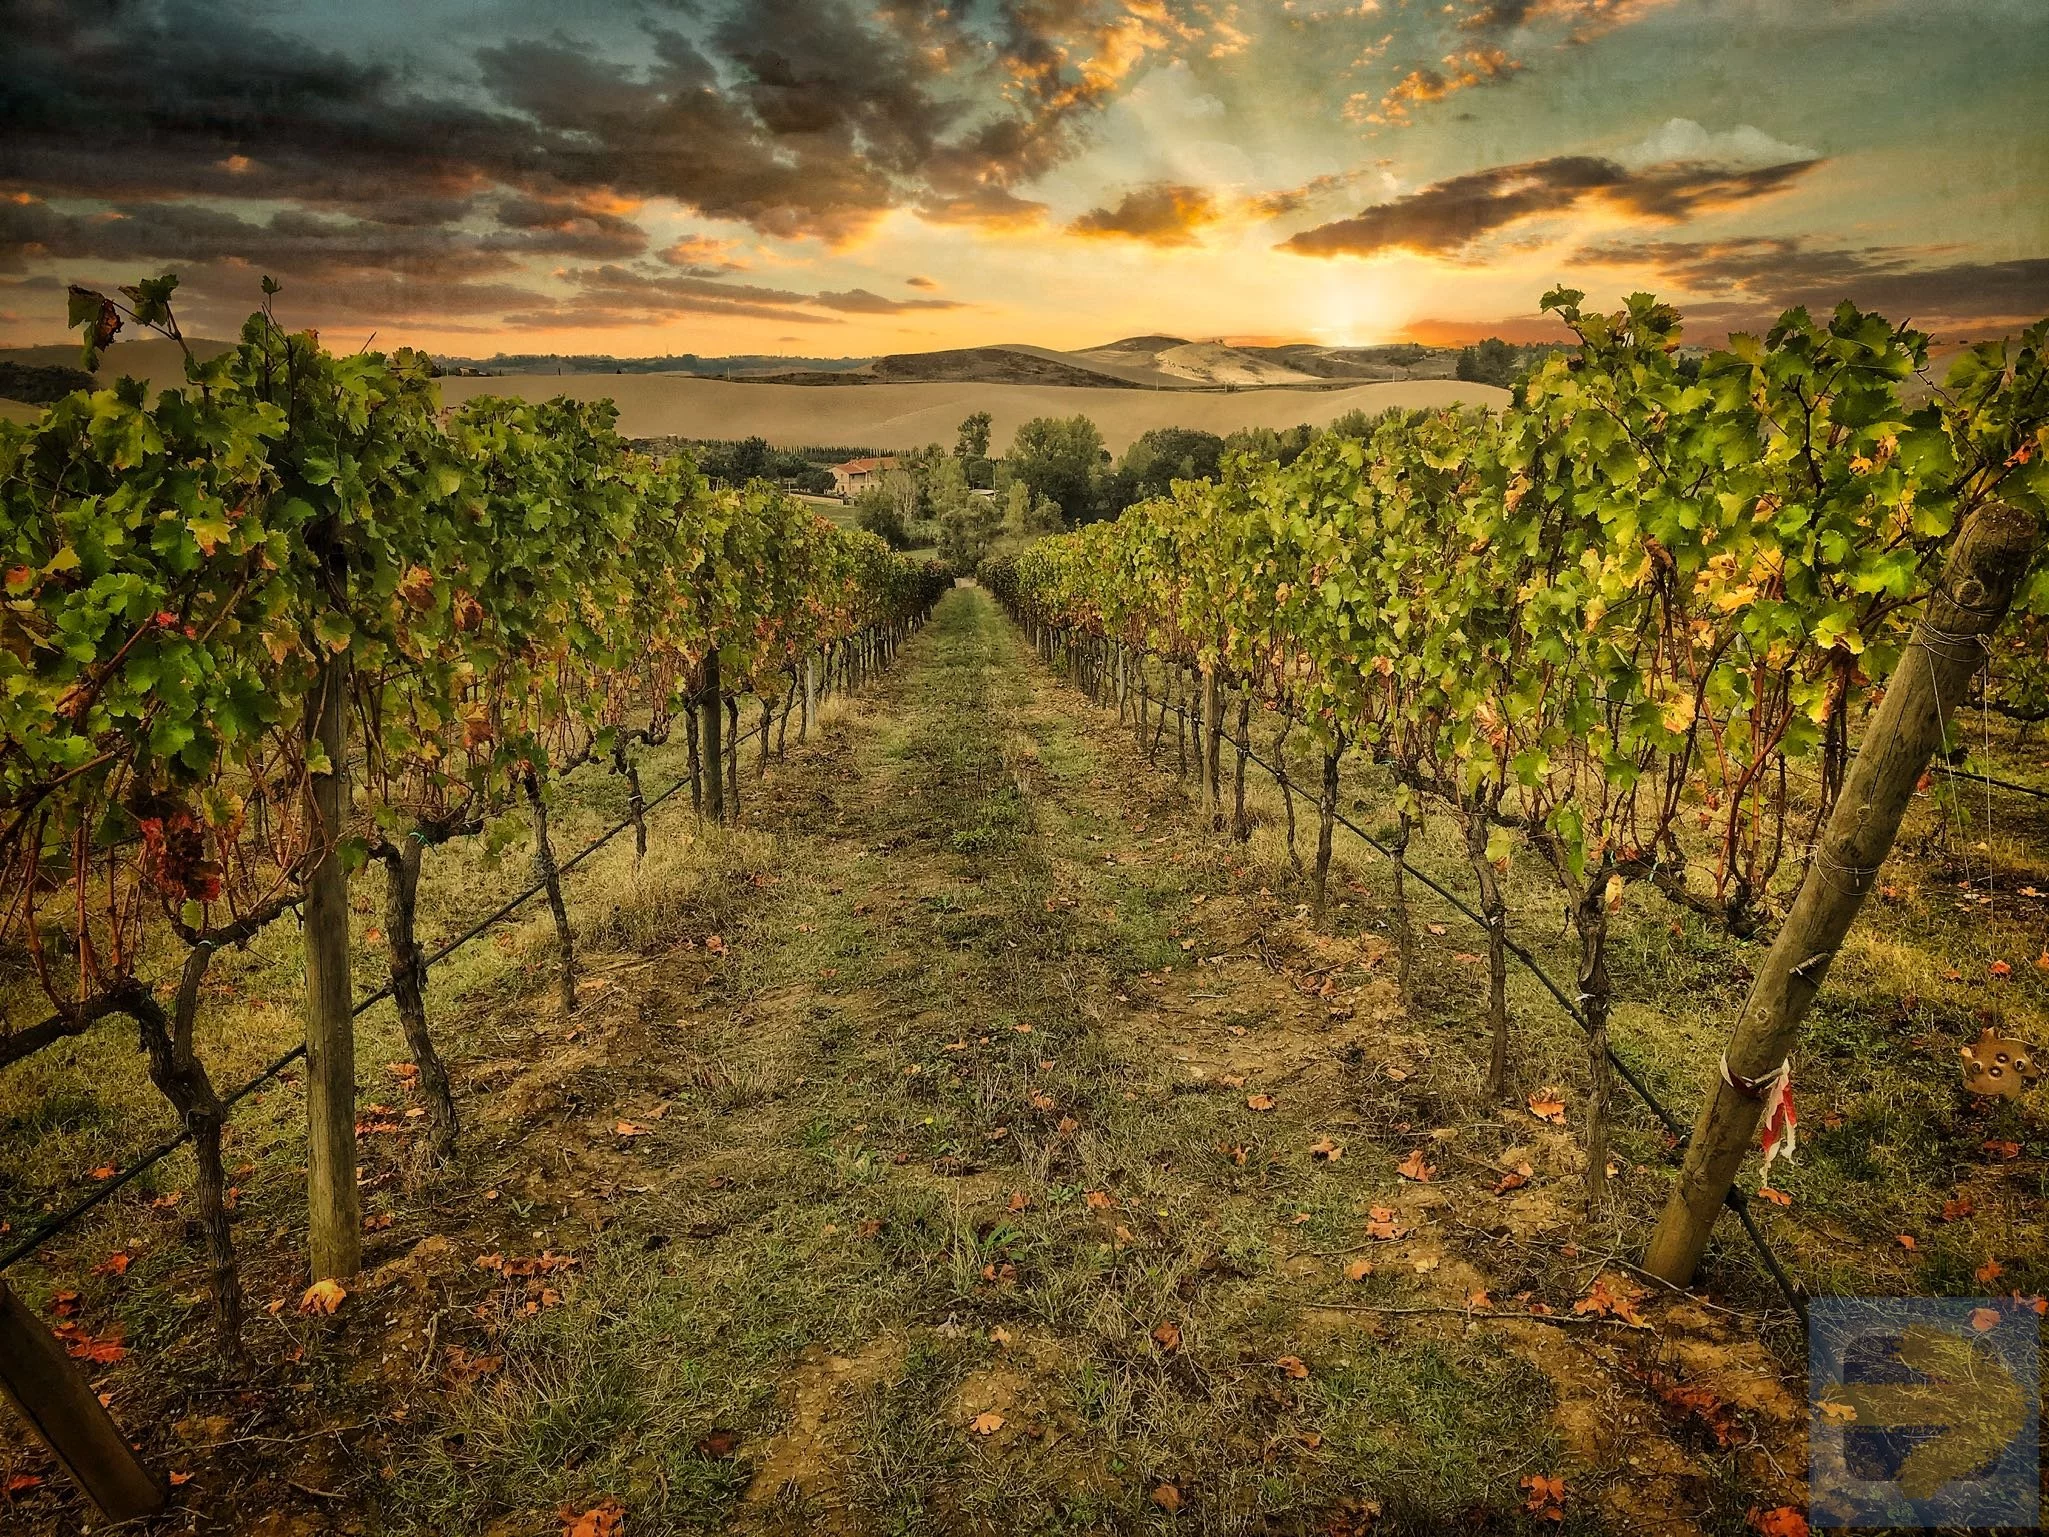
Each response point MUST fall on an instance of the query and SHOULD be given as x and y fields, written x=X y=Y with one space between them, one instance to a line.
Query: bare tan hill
x=892 y=416
x=1168 y=362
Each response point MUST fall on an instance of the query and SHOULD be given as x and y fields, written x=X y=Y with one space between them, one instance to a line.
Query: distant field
x=906 y=415
x=887 y=416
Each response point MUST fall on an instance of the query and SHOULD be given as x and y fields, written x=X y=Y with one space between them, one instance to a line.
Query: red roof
x=864 y=466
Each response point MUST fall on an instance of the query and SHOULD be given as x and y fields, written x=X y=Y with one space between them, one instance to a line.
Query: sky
x=842 y=177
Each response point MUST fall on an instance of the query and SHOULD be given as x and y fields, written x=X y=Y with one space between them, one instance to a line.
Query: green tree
x=973 y=442
x=1062 y=459
x=879 y=513
x=1162 y=456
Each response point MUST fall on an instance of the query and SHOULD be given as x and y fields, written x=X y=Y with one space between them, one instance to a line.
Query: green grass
x=869 y=1204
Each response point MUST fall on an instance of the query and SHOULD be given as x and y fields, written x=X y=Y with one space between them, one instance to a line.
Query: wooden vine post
x=51 y=1395
x=334 y=1205
x=710 y=705
x=1978 y=583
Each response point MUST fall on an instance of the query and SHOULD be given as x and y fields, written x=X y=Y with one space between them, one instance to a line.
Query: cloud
x=1462 y=71
x=1582 y=20
x=804 y=119
x=919 y=282
x=859 y=301
x=1163 y=214
x=700 y=255
x=1449 y=217
x=1282 y=201
x=1681 y=140
x=1747 y=282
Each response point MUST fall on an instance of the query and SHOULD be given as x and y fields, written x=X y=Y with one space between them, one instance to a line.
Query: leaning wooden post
x=63 y=1409
x=809 y=720
x=334 y=1205
x=1978 y=582
x=711 y=729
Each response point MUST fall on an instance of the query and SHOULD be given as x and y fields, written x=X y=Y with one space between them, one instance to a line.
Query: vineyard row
x=1605 y=629
x=295 y=619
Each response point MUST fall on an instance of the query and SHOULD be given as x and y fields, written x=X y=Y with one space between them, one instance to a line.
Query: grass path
x=965 y=1209
x=973 y=1143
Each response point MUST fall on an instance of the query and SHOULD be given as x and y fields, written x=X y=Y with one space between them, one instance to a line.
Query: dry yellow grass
x=907 y=415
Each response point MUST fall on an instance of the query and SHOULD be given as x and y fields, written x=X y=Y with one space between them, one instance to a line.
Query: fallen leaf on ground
x=1604 y=1302
x=1546 y=1496
x=986 y=1423
x=1436 y=930
x=1515 y=1179
x=607 y=1518
x=1905 y=1241
x=1167 y=1497
x=1259 y=1102
x=1780 y=1521
x=1958 y=1209
x=714 y=945
x=999 y=1336
x=81 y=1346
x=1989 y=1272
x=1545 y=1105
x=322 y=1297
x=1293 y=1366
x=1323 y=1150
x=628 y=1129
x=1776 y=1197
x=1099 y=1200
x=1168 y=1336
x=1381 y=1224
x=1984 y=1319
x=114 y=1264
x=1359 y=1270
x=1478 y=1300
x=1413 y=1167
x=179 y=1480
x=718 y=1443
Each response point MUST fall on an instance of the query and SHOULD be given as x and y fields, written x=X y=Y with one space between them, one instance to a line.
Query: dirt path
x=979 y=1144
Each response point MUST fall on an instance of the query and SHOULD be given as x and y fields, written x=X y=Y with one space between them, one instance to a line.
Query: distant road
x=890 y=416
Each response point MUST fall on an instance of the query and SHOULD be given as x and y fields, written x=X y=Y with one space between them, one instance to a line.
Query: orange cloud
x=1163 y=214
x=1462 y=70
x=1449 y=217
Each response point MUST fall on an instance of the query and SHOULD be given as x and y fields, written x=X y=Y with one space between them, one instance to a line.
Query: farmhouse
x=856 y=473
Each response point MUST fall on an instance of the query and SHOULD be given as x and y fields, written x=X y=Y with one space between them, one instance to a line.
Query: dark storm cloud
x=1746 y=283
x=801 y=118
x=311 y=246
x=1448 y=216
